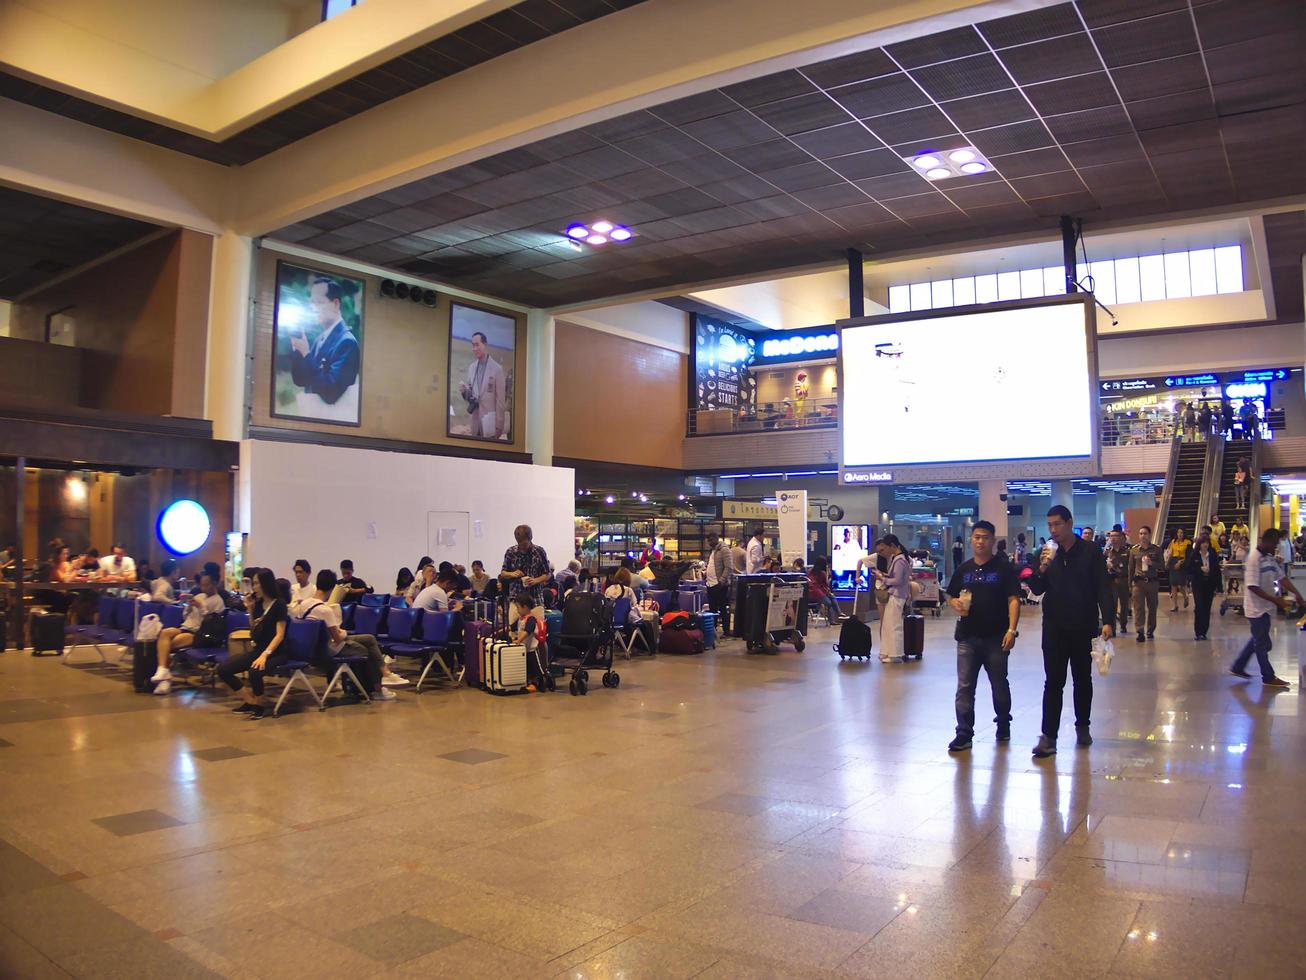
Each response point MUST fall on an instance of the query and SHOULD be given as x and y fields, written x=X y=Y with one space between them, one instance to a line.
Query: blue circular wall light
x=184 y=527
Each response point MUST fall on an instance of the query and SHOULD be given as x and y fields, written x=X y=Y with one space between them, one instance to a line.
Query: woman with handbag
x=1202 y=569
x=268 y=615
x=1177 y=566
x=897 y=583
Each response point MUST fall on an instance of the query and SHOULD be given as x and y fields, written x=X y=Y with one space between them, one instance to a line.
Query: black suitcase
x=854 y=639
x=913 y=636
x=48 y=633
x=145 y=660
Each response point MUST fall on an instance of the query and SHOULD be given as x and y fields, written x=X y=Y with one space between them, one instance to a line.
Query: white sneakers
x=384 y=695
x=162 y=674
x=163 y=687
x=394 y=680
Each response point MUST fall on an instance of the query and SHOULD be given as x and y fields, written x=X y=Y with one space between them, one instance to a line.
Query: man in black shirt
x=985 y=592
x=356 y=586
x=1073 y=582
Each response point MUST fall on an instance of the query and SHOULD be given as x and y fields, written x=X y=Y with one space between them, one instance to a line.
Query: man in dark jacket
x=1073 y=581
x=330 y=365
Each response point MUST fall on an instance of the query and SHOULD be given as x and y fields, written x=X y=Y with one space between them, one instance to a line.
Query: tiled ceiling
x=41 y=238
x=514 y=27
x=1285 y=240
x=1099 y=108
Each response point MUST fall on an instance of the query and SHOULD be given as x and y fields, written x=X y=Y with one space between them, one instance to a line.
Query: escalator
x=1226 y=502
x=1181 y=499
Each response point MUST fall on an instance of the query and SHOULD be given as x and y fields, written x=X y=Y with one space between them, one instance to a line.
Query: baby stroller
x=587 y=632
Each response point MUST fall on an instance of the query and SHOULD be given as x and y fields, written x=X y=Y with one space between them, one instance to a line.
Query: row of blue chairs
x=405 y=632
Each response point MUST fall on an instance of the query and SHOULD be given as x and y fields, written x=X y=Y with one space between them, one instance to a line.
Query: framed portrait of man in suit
x=482 y=362
x=317 y=346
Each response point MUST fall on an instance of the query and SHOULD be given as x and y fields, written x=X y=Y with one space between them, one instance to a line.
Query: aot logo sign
x=868 y=476
x=792 y=502
x=820 y=343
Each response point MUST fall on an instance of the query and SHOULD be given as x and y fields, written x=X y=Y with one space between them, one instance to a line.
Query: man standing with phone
x=985 y=592
x=1265 y=577
x=1073 y=582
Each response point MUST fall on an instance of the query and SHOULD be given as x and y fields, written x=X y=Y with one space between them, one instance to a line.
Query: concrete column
x=1062 y=493
x=993 y=508
x=541 y=333
x=226 y=388
x=1108 y=511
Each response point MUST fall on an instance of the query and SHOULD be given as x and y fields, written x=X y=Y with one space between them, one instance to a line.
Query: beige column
x=993 y=507
x=541 y=333
x=226 y=391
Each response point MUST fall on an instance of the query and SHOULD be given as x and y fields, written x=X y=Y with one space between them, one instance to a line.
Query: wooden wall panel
x=618 y=400
x=405 y=363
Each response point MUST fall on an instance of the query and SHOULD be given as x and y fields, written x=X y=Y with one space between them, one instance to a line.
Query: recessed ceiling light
x=597 y=239
x=602 y=227
x=577 y=231
x=961 y=156
x=620 y=234
x=973 y=168
x=938 y=173
x=927 y=160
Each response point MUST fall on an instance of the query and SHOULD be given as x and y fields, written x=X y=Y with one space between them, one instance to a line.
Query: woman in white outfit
x=897 y=580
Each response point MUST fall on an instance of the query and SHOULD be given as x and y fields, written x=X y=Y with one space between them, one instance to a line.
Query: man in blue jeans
x=1265 y=580
x=985 y=592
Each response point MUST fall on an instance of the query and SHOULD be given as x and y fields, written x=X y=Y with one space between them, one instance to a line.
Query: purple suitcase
x=474 y=631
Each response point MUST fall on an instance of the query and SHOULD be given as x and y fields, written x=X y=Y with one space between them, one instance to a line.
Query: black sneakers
x=1240 y=673
x=1046 y=747
x=959 y=744
x=1276 y=682
x=1140 y=636
x=1082 y=738
x=1004 y=734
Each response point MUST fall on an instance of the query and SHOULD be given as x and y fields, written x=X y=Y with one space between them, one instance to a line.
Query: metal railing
x=816 y=413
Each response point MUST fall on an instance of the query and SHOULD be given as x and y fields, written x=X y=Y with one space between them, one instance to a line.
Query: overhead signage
x=867 y=476
x=746 y=510
x=1208 y=380
x=1192 y=381
x=1130 y=384
x=1269 y=374
x=794 y=344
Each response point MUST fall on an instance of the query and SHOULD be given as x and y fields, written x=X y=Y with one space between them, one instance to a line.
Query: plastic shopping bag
x=1103 y=652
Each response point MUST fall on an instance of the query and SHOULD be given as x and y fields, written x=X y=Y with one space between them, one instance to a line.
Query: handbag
x=212 y=631
x=149 y=628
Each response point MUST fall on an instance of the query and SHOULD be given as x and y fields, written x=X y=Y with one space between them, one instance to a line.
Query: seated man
x=376 y=677
x=461 y=583
x=205 y=603
x=356 y=586
x=566 y=577
x=118 y=567
x=435 y=597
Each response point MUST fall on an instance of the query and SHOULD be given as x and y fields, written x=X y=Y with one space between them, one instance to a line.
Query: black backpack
x=854 y=639
x=212 y=631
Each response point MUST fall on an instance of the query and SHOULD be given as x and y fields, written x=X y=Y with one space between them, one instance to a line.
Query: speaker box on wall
x=392 y=289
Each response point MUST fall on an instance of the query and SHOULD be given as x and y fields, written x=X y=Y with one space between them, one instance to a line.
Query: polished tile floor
x=719 y=816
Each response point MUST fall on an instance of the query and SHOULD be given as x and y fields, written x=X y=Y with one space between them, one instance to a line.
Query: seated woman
x=818 y=588
x=480 y=581
x=268 y=614
x=403 y=581
x=620 y=589
x=206 y=603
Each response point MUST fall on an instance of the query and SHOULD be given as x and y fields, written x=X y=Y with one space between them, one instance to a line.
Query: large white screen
x=991 y=385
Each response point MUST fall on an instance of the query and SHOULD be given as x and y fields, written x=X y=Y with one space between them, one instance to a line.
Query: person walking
x=1264 y=577
x=1117 y=570
x=1241 y=481
x=719 y=569
x=1204 y=575
x=1204 y=419
x=985 y=592
x=897 y=583
x=1179 y=546
x=1145 y=562
x=1071 y=577
x=1190 y=423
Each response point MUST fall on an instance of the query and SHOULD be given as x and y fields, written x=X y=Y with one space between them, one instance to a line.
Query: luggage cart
x=928 y=595
x=1233 y=585
x=775 y=611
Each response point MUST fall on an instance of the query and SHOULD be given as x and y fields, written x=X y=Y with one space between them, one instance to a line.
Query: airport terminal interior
x=652 y=488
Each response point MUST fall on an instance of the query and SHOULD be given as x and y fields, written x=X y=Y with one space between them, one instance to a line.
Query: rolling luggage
x=506 y=671
x=855 y=639
x=48 y=633
x=145 y=658
x=708 y=622
x=474 y=632
x=913 y=636
x=553 y=620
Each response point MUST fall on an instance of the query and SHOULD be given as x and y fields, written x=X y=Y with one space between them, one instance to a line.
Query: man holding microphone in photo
x=1073 y=581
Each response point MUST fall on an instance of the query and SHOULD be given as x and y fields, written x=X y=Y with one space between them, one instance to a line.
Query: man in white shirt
x=756 y=552
x=435 y=597
x=1265 y=577
x=206 y=602
x=719 y=567
x=377 y=677
x=118 y=567
x=303 y=588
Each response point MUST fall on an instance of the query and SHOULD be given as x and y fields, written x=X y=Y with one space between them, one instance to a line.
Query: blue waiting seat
x=212 y=657
x=401 y=628
x=172 y=616
x=372 y=599
x=370 y=620
x=347 y=616
x=438 y=636
x=305 y=645
x=627 y=634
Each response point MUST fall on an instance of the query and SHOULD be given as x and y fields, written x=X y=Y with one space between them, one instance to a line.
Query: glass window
x=899 y=299
x=963 y=291
x=1229 y=269
x=1054 y=280
x=920 y=296
x=1201 y=264
x=1127 y=288
x=1151 y=277
x=332 y=7
x=986 y=289
x=1177 y=283
x=1031 y=283
x=941 y=293
x=1104 y=281
x=1008 y=285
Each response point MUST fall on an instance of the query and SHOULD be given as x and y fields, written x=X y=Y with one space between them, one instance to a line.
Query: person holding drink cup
x=1073 y=581
x=1145 y=563
x=985 y=592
